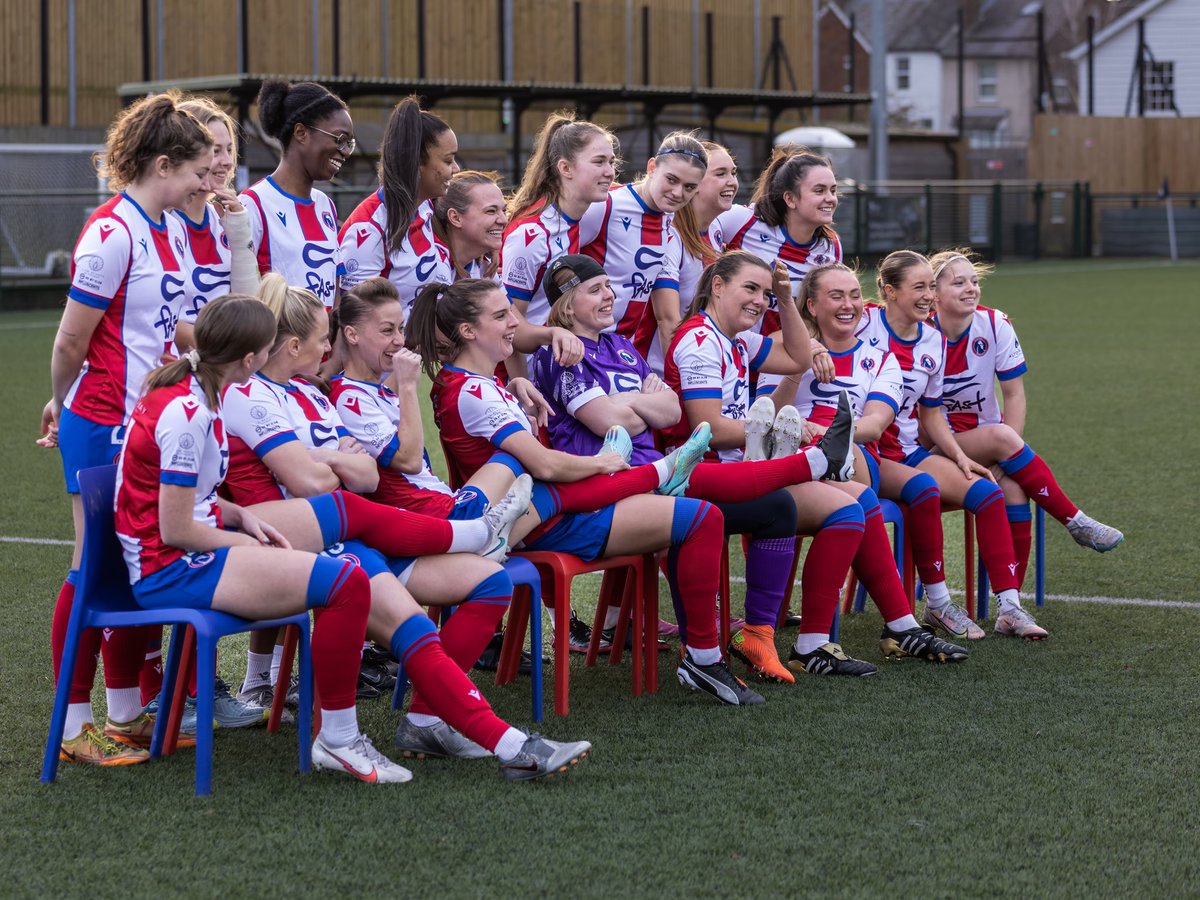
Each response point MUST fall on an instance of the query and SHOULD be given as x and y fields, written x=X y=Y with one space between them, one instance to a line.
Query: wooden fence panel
x=1116 y=155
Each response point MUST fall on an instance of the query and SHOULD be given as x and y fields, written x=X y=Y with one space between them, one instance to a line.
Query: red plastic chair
x=557 y=571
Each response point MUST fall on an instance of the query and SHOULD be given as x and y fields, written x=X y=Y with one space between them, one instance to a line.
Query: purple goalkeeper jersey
x=609 y=366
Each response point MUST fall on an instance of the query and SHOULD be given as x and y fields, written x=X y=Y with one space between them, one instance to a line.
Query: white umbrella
x=815 y=136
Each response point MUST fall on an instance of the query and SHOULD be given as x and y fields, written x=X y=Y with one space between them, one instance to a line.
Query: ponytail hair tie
x=193 y=358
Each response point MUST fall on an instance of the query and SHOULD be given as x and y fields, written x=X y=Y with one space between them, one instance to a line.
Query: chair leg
x=290 y=637
x=726 y=597
x=1040 y=558
x=650 y=621
x=514 y=635
x=187 y=655
x=62 y=698
x=634 y=603
x=206 y=665
x=969 y=566
x=562 y=652
x=166 y=696
x=535 y=653
x=304 y=714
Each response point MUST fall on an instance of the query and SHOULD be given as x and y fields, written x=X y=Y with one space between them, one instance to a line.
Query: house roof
x=841 y=16
x=912 y=25
x=1105 y=34
x=1003 y=29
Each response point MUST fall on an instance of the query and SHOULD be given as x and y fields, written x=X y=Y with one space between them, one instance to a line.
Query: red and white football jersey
x=987 y=350
x=261 y=415
x=371 y=413
x=690 y=270
x=173 y=438
x=739 y=229
x=207 y=261
x=703 y=363
x=639 y=251
x=866 y=373
x=475 y=416
x=922 y=365
x=296 y=237
x=530 y=242
x=133 y=269
x=418 y=261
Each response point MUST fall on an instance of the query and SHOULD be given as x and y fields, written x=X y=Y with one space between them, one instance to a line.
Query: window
x=903 y=81
x=985 y=83
x=1160 y=86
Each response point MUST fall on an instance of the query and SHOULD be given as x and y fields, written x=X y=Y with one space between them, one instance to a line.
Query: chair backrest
x=104 y=578
x=454 y=474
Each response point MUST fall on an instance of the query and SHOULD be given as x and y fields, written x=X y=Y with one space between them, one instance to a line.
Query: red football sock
x=599 y=491
x=736 y=482
x=89 y=645
x=925 y=531
x=391 y=531
x=150 y=677
x=875 y=566
x=995 y=539
x=693 y=570
x=829 y=558
x=449 y=694
x=341 y=598
x=1022 y=539
x=471 y=627
x=1039 y=484
x=124 y=652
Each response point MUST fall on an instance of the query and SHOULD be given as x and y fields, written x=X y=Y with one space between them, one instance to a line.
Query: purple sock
x=768 y=565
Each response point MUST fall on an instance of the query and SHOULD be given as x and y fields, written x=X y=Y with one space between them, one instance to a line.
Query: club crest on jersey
x=224 y=240
x=979 y=346
x=867 y=364
x=179 y=246
x=626 y=357
x=927 y=362
x=199 y=560
x=465 y=495
x=327 y=218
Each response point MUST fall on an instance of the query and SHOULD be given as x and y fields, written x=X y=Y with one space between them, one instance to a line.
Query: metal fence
x=1001 y=220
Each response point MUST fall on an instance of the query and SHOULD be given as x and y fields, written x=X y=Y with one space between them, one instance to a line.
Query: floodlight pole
x=879 y=111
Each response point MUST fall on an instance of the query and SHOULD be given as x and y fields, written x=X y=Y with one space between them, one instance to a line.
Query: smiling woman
x=390 y=233
x=293 y=226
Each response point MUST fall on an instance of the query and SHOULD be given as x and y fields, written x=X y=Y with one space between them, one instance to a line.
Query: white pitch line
x=17 y=326
x=1065 y=598
x=737 y=579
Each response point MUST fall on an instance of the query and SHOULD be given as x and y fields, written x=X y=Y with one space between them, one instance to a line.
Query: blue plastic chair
x=104 y=599
x=523 y=573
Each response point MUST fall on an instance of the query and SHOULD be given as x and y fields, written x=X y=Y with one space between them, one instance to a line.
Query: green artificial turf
x=1064 y=768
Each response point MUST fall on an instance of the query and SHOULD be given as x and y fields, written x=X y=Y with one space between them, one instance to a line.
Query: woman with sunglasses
x=293 y=225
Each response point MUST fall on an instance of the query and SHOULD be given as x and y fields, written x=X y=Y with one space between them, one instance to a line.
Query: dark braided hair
x=282 y=105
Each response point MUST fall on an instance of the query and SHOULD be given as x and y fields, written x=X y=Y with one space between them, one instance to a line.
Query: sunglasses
x=344 y=143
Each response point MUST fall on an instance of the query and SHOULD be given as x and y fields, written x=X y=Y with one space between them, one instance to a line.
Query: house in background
x=1170 y=67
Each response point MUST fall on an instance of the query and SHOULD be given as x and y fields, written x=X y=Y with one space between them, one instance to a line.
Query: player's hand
x=265 y=534
x=535 y=405
x=567 y=348
x=653 y=384
x=225 y=200
x=971 y=469
x=50 y=415
x=608 y=463
x=822 y=363
x=406 y=368
x=348 y=444
x=781 y=282
x=810 y=432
